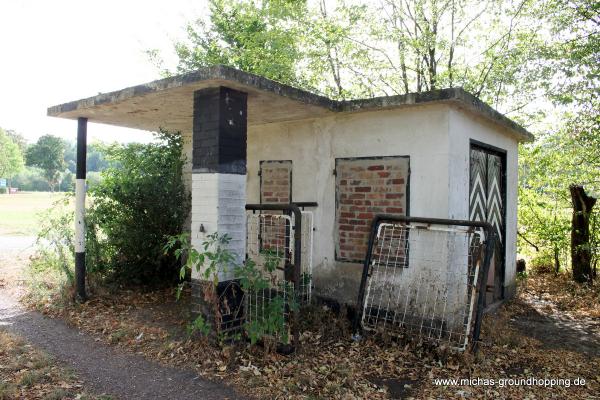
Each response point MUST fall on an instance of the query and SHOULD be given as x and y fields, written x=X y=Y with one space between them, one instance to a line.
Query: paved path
x=16 y=243
x=104 y=369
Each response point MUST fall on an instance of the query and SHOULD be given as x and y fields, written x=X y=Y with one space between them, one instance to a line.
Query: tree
x=258 y=37
x=580 y=234
x=11 y=158
x=536 y=60
x=48 y=154
x=19 y=139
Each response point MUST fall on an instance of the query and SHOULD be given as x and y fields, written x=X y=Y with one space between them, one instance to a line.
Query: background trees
x=48 y=153
x=11 y=157
x=535 y=60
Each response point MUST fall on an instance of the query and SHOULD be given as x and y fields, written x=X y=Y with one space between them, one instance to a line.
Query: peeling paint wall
x=436 y=137
x=313 y=146
x=463 y=128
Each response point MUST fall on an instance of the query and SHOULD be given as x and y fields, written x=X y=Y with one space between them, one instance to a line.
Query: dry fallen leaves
x=27 y=373
x=331 y=365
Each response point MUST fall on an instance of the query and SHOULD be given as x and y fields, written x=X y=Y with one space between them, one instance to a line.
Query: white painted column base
x=218 y=205
x=79 y=215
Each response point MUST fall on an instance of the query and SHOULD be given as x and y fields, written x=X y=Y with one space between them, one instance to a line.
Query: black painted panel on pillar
x=81 y=148
x=219 y=131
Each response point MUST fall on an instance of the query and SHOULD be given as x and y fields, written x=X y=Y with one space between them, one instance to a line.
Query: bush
x=543 y=263
x=31 y=179
x=51 y=270
x=3 y=190
x=140 y=201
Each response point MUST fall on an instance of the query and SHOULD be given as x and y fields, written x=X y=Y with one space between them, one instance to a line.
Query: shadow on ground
x=537 y=319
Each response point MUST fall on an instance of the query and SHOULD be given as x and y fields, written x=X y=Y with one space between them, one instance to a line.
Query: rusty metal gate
x=424 y=277
x=279 y=247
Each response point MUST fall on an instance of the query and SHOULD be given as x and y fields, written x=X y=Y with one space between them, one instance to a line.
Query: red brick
x=384 y=174
x=394 y=210
x=357 y=208
x=376 y=168
x=362 y=189
x=365 y=215
x=394 y=195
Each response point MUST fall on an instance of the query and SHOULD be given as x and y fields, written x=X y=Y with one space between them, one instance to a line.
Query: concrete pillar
x=218 y=177
x=80 y=209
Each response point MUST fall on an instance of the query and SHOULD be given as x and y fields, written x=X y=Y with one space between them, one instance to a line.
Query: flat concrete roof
x=168 y=103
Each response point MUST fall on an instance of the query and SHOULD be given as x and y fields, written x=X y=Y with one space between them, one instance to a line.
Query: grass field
x=19 y=213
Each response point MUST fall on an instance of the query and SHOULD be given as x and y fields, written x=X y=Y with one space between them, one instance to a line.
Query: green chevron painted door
x=487 y=196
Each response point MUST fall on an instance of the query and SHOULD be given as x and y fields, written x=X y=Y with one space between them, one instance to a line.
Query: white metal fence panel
x=423 y=280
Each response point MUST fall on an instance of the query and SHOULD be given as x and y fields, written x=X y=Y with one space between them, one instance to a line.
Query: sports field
x=19 y=213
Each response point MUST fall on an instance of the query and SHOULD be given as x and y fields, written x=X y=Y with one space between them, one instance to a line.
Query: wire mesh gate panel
x=424 y=277
x=279 y=247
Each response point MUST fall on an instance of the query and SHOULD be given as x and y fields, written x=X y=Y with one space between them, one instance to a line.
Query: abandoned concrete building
x=440 y=154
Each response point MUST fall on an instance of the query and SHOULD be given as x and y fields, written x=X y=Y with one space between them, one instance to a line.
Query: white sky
x=56 y=51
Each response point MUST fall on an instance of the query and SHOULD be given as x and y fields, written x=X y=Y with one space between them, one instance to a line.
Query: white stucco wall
x=313 y=146
x=463 y=128
x=436 y=137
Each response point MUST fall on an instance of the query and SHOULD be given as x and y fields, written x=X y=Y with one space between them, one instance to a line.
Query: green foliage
x=140 y=200
x=52 y=268
x=48 y=154
x=11 y=158
x=536 y=61
x=31 y=179
x=258 y=37
x=95 y=160
x=213 y=258
x=199 y=325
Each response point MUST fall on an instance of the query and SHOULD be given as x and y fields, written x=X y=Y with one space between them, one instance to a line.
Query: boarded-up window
x=276 y=182
x=275 y=188
x=366 y=187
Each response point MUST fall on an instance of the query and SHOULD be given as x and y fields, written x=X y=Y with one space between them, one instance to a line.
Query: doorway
x=487 y=202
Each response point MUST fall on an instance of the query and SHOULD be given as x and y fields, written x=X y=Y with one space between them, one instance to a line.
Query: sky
x=52 y=52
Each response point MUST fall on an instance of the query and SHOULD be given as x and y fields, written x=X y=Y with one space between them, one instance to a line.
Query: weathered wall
x=435 y=137
x=313 y=146
x=463 y=128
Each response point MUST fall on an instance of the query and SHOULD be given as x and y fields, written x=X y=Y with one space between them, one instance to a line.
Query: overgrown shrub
x=543 y=263
x=214 y=256
x=51 y=270
x=140 y=200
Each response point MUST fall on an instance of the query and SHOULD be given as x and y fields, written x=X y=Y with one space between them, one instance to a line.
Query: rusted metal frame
x=490 y=239
x=295 y=210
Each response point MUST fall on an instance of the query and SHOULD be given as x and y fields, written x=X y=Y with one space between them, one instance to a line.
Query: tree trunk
x=581 y=257
x=556 y=261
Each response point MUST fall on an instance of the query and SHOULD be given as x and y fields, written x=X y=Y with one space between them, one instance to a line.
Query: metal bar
x=304 y=204
x=490 y=239
x=363 y=281
x=80 y=209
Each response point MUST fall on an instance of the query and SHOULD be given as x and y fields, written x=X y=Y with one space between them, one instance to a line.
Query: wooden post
x=80 y=209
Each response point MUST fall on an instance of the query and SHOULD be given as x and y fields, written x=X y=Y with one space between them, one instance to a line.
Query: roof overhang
x=168 y=103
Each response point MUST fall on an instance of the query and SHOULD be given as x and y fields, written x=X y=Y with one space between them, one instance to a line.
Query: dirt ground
x=74 y=361
x=541 y=334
